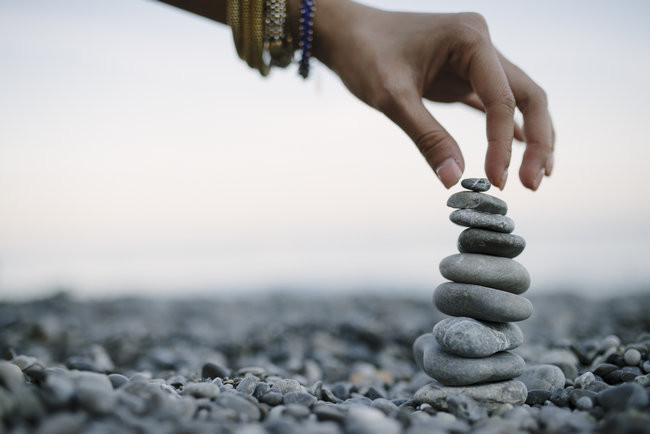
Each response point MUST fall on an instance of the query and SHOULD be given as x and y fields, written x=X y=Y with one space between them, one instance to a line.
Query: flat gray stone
x=467 y=337
x=477 y=201
x=491 y=395
x=479 y=302
x=481 y=220
x=485 y=270
x=452 y=370
x=476 y=184
x=543 y=377
x=474 y=240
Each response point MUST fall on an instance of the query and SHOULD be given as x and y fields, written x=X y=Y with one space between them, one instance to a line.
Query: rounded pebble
x=476 y=219
x=482 y=303
x=476 y=184
x=474 y=240
x=452 y=370
x=478 y=202
x=632 y=357
x=486 y=270
x=467 y=337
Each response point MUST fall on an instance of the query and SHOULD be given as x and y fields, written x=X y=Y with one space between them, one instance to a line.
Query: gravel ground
x=294 y=364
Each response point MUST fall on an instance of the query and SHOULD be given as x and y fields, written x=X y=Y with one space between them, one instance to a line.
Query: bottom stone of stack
x=453 y=370
x=490 y=395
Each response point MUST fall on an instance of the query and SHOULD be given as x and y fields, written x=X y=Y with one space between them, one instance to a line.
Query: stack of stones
x=469 y=352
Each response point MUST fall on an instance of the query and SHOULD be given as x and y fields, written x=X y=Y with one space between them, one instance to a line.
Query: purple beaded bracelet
x=306 y=35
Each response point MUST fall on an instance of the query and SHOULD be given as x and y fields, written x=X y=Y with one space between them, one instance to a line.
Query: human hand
x=391 y=60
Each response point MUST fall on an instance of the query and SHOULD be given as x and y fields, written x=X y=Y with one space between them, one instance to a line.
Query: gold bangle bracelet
x=256 y=48
x=234 y=21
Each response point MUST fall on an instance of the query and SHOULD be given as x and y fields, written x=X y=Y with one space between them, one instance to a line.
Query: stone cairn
x=468 y=353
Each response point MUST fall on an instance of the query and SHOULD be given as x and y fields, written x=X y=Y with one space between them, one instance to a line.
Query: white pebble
x=584 y=380
x=632 y=357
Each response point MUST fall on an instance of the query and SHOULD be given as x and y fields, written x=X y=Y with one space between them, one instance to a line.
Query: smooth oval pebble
x=479 y=302
x=476 y=219
x=485 y=270
x=477 y=201
x=453 y=370
x=467 y=337
x=475 y=240
x=543 y=377
x=476 y=184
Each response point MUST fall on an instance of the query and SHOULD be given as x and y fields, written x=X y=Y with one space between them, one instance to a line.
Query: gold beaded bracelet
x=260 y=30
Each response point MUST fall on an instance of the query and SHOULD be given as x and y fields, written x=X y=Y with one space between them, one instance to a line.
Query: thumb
x=436 y=145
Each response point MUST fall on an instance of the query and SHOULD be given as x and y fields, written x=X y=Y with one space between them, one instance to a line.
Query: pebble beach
x=287 y=363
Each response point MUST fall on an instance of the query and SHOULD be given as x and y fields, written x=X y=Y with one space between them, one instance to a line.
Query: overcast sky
x=138 y=154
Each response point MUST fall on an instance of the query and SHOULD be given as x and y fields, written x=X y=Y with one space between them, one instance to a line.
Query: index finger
x=490 y=83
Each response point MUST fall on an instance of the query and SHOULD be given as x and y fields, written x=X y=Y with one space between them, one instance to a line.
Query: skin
x=394 y=60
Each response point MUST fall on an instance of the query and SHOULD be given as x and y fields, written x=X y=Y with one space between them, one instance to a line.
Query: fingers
x=491 y=85
x=436 y=145
x=538 y=126
x=474 y=101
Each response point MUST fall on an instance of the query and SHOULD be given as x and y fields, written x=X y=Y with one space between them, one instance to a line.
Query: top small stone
x=476 y=184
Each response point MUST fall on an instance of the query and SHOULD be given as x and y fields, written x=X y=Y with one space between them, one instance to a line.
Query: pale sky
x=138 y=155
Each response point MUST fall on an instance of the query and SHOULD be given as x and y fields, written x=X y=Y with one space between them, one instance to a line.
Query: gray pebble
x=287 y=385
x=543 y=377
x=94 y=392
x=584 y=403
x=537 y=397
x=366 y=420
x=326 y=412
x=248 y=384
x=272 y=398
x=261 y=389
x=646 y=366
x=201 y=390
x=490 y=395
x=478 y=202
x=388 y=407
x=476 y=184
x=57 y=390
x=597 y=386
x=117 y=380
x=300 y=398
x=473 y=240
x=576 y=394
x=214 y=370
x=296 y=410
x=476 y=219
x=479 y=302
x=486 y=270
x=452 y=370
x=604 y=369
x=465 y=408
x=632 y=357
x=246 y=410
x=628 y=395
x=11 y=376
x=643 y=380
x=467 y=337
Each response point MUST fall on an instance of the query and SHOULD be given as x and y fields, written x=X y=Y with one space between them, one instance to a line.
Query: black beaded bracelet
x=306 y=35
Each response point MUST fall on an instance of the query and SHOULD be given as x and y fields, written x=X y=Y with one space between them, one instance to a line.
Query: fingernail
x=538 y=179
x=550 y=161
x=448 y=172
x=504 y=178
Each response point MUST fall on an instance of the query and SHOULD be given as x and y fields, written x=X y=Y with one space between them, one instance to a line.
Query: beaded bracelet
x=306 y=32
x=277 y=34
